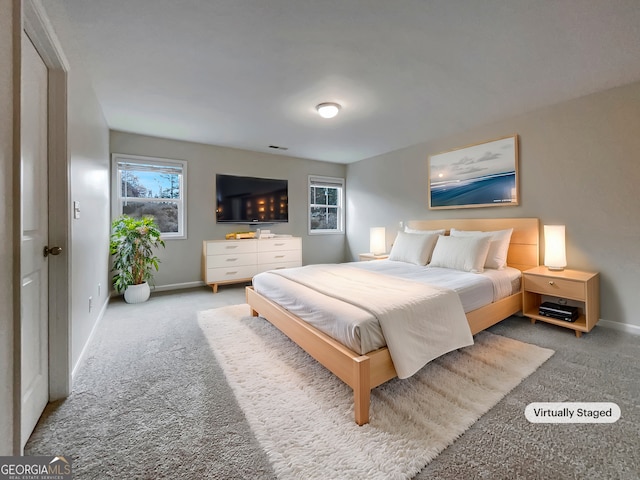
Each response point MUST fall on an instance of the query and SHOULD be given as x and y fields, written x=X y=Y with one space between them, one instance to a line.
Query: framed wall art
x=480 y=175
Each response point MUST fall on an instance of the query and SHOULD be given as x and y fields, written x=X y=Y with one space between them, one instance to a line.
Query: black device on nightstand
x=560 y=312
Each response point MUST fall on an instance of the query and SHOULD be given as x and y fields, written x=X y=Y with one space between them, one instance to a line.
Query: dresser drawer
x=230 y=273
x=279 y=257
x=224 y=261
x=556 y=287
x=278 y=244
x=231 y=247
x=276 y=266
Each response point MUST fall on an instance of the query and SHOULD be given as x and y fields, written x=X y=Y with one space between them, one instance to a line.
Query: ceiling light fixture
x=328 y=110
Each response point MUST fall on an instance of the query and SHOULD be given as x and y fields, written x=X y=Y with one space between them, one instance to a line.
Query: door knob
x=52 y=251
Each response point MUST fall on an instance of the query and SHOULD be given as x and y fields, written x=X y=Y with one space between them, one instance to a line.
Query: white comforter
x=419 y=322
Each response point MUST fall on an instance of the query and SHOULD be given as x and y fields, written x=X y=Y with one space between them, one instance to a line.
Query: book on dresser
x=237 y=261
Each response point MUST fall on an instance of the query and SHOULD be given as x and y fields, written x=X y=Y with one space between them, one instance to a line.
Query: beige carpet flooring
x=302 y=415
x=151 y=401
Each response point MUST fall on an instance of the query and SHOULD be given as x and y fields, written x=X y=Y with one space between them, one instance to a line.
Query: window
x=326 y=205
x=146 y=186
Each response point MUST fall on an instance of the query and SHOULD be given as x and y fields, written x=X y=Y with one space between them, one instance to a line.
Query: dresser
x=237 y=261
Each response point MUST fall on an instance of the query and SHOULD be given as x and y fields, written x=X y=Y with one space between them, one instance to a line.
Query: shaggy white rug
x=303 y=415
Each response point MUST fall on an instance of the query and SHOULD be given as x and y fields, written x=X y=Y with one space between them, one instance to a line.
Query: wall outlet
x=90 y=303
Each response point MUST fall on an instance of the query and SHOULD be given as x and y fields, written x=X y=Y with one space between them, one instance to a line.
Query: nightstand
x=365 y=257
x=582 y=288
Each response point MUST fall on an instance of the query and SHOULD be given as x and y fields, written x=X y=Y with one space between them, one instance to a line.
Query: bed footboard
x=360 y=372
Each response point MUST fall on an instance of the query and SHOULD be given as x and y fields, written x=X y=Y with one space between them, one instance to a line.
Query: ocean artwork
x=481 y=175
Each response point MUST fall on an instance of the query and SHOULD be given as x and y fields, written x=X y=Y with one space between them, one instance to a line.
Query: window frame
x=117 y=199
x=330 y=182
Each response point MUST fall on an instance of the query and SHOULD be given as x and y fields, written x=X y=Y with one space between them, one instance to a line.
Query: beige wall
x=88 y=157
x=6 y=231
x=578 y=166
x=181 y=258
x=89 y=162
x=88 y=144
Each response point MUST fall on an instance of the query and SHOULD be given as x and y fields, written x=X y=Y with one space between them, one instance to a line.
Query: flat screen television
x=251 y=200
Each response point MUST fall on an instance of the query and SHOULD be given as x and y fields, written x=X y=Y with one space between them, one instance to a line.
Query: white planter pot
x=137 y=293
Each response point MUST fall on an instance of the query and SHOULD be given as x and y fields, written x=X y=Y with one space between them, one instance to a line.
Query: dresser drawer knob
x=551 y=282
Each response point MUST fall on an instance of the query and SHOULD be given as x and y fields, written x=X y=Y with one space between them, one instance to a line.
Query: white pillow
x=461 y=253
x=423 y=232
x=412 y=248
x=498 y=248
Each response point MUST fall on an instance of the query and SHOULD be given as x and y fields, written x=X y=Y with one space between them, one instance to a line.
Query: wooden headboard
x=524 y=248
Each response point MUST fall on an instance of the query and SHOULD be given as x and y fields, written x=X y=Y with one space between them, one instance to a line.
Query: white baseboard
x=178 y=286
x=166 y=288
x=623 y=327
x=88 y=342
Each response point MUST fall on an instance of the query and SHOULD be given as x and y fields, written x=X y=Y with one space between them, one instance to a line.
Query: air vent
x=276 y=147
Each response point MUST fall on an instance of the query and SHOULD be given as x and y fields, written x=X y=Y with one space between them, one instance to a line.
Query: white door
x=34 y=220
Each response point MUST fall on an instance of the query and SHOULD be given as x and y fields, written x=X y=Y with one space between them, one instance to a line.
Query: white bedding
x=358 y=329
x=419 y=322
x=475 y=289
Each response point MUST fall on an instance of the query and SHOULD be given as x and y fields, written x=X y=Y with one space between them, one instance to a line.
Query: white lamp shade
x=555 y=252
x=377 y=240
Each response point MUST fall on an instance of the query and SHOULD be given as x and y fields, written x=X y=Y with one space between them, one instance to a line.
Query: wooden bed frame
x=365 y=372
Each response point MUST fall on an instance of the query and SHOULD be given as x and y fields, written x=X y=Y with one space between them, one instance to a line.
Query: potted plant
x=132 y=245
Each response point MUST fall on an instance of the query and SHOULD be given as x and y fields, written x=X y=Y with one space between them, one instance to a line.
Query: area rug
x=302 y=414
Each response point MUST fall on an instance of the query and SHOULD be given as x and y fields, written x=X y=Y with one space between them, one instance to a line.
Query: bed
x=363 y=371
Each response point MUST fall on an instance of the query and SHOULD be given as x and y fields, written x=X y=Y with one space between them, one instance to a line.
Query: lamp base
x=555 y=269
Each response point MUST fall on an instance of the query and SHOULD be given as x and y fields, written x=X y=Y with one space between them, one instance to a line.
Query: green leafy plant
x=132 y=244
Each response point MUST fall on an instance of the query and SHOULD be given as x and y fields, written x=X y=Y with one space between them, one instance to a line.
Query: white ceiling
x=248 y=73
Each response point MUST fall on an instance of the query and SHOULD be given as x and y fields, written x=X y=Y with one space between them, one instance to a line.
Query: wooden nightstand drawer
x=556 y=287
